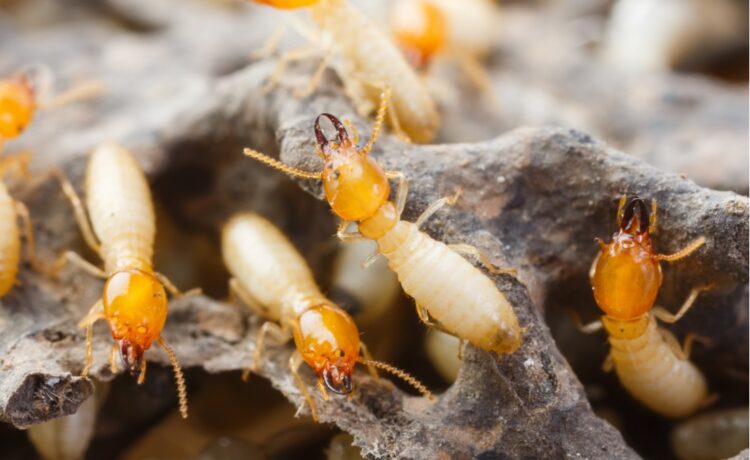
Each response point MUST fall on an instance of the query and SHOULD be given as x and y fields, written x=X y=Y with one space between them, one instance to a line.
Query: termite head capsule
x=626 y=276
x=419 y=28
x=329 y=342
x=135 y=304
x=17 y=105
x=354 y=184
x=287 y=4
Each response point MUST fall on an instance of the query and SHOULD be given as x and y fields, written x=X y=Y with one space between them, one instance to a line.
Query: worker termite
x=273 y=279
x=369 y=63
x=711 y=436
x=462 y=31
x=122 y=231
x=625 y=278
x=451 y=294
x=10 y=233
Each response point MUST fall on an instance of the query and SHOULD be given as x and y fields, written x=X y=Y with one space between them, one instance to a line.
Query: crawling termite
x=369 y=63
x=451 y=294
x=626 y=277
x=122 y=230
x=10 y=232
x=462 y=31
x=272 y=278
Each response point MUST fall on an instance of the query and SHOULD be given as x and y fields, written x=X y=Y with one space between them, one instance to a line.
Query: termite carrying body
x=451 y=294
x=122 y=230
x=272 y=278
x=626 y=277
x=370 y=62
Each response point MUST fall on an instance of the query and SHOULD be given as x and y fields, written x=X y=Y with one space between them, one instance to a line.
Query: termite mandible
x=122 y=230
x=370 y=62
x=451 y=294
x=625 y=277
x=273 y=279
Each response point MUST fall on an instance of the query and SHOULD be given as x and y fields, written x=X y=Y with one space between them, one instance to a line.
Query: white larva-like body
x=456 y=294
x=649 y=369
x=370 y=55
x=268 y=267
x=711 y=436
x=10 y=242
x=472 y=24
x=121 y=210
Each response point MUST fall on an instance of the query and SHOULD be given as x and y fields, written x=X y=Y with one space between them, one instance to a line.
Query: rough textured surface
x=533 y=199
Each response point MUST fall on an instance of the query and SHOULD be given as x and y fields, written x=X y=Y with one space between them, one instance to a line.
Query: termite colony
x=454 y=288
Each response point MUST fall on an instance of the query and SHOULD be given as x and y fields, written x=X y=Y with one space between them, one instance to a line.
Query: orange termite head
x=17 y=104
x=328 y=340
x=287 y=4
x=626 y=276
x=419 y=28
x=354 y=184
x=135 y=305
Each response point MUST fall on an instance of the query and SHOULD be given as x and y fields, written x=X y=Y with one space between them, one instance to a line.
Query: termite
x=121 y=231
x=10 y=232
x=711 y=436
x=369 y=62
x=625 y=277
x=273 y=279
x=450 y=293
x=462 y=31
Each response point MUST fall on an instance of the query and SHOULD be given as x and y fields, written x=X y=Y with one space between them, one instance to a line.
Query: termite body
x=451 y=294
x=711 y=436
x=370 y=62
x=122 y=231
x=626 y=276
x=271 y=277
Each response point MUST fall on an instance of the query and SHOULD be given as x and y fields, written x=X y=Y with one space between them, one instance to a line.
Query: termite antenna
x=292 y=171
x=181 y=388
x=384 y=97
x=403 y=375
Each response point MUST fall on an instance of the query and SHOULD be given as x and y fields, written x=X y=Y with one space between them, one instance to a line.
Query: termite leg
x=473 y=69
x=425 y=317
x=79 y=92
x=289 y=56
x=113 y=353
x=435 y=206
x=295 y=361
x=345 y=236
x=608 y=365
x=267 y=327
x=366 y=353
x=80 y=212
x=95 y=314
x=80 y=262
x=271 y=44
x=667 y=317
x=176 y=293
x=467 y=249
x=682 y=352
x=389 y=107
x=316 y=76
x=236 y=290
x=28 y=231
x=684 y=252
x=402 y=189
x=589 y=328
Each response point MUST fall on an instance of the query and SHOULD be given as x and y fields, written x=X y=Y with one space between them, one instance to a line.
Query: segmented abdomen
x=120 y=208
x=10 y=243
x=268 y=266
x=454 y=292
x=373 y=56
x=654 y=375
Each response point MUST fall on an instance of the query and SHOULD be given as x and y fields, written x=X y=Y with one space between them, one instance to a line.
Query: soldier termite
x=369 y=63
x=121 y=231
x=625 y=277
x=273 y=279
x=451 y=294
x=462 y=31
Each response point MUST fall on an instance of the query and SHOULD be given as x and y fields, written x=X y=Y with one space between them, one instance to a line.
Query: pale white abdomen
x=267 y=265
x=648 y=368
x=374 y=57
x=120 y=207
x=454 y=292
x=10 y=242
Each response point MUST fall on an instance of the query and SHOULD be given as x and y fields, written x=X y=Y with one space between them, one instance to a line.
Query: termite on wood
x=273 y=279
x=122 y=230
x=451 y=294
x=369 y=63
x=625 y=277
